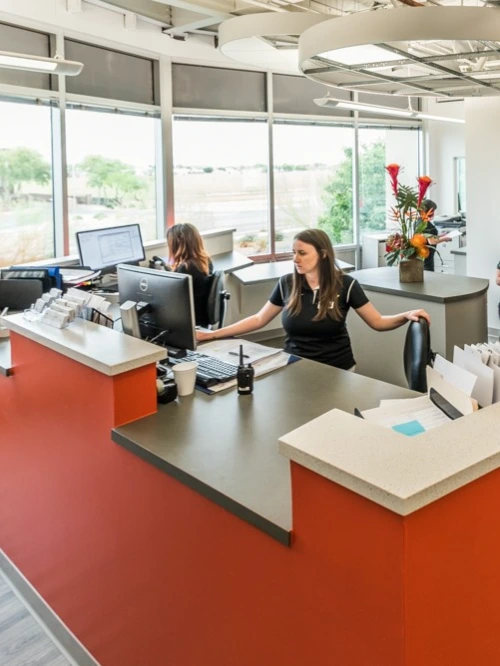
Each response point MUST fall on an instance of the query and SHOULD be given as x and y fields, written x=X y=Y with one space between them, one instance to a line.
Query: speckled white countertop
x=98 y=347
x=398 y=472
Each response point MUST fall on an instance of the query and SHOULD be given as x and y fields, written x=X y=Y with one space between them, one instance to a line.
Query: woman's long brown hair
x=185 y=246
x=329 y=275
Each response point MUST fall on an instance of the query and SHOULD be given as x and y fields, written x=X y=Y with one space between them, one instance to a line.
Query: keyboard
x=210 y=370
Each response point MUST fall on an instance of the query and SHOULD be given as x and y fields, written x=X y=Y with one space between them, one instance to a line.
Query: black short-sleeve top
x=201 y=289
x=327 y=340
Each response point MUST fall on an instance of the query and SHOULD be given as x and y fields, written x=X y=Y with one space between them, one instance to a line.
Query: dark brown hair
x=329 y=275
x=185 y=246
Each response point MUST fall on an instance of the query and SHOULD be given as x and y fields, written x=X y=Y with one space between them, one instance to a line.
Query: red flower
x=393 y=171
x=424 y=182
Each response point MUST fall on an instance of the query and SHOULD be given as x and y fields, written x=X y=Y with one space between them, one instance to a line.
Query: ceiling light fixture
x=385 y=110
x=423 y=51
x=31 y=63
x=254 y=39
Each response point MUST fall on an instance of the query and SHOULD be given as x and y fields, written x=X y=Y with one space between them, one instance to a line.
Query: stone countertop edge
x=275 y=269
x=103 y=349
x=385 y=281
x=278 y=532
x=217 y=232
x=402 y=474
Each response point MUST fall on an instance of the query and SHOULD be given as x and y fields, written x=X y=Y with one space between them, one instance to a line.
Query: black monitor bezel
x=162 y=275
x=98 y=230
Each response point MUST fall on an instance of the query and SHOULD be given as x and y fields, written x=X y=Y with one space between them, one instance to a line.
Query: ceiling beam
x=196 y=25
x=146 y=8
x=209 y=9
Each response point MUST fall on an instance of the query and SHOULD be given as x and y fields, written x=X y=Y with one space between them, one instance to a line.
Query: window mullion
x=270 y=169
x=59 y=166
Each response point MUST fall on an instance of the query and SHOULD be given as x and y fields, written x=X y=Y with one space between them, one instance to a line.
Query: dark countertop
x=436 y=287
x=274 y=270
x=5 y=357
x=230 y=261
x=226 y=447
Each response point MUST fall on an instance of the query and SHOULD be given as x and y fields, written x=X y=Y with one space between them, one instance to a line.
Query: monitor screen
x=106 y=248
x=170 y=315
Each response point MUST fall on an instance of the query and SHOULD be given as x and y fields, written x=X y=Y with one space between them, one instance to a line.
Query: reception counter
x=192 y=540
x=456 y=304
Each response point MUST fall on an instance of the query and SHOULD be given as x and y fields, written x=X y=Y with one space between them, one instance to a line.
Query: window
x=377 y=148
x=111 y=171
x=312 y=181
x=27 y=217
x=220 y=178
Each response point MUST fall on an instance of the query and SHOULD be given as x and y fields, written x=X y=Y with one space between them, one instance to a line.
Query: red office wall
x=146 y=572
x=453 y=578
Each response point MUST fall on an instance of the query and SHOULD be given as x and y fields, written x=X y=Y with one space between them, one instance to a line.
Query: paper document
x=456 y=376
x=470 y=359
x=457 y=398
x=78 y=275
x=452 y=233
x=277 y=360
x=409 y=417
x=228 y=351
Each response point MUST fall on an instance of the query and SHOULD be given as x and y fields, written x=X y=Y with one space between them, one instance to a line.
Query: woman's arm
x=435 y=240
x=253 y=323
x=378 y=322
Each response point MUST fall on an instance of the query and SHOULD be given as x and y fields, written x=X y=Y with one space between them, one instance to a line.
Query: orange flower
x=393 y=171
x=423 y=252
x=424 y=182
x=418 y=241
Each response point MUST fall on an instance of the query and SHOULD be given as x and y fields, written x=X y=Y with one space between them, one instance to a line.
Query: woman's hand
x=413 y=315
x=443 y=238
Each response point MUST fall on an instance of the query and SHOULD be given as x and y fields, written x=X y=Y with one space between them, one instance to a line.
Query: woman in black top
x=435 y=237
x=187 y=255
x=315 y=300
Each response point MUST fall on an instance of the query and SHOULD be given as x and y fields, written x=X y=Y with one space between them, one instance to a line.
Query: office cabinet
x=373 y=250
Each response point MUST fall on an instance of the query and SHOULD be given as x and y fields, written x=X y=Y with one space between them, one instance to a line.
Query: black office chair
x=417 y=354
x=217 y=300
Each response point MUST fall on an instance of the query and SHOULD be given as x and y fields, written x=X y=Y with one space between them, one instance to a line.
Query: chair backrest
x=217 y=297
x=417 y=354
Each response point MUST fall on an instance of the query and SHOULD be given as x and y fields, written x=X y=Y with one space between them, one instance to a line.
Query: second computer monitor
x=104 y=249
x=170 y=315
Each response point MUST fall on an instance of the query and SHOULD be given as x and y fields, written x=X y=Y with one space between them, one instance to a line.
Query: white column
x=482 y=150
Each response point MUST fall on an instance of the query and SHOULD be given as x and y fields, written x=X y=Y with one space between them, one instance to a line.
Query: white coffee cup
x=185 y=377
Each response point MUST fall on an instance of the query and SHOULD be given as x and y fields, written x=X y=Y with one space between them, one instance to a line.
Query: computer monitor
x=104 y=249
x=169 y=317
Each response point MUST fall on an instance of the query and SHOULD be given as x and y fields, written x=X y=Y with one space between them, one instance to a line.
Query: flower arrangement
x=409 y=241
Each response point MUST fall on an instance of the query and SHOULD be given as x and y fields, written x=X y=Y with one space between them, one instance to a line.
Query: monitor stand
x=174 y=352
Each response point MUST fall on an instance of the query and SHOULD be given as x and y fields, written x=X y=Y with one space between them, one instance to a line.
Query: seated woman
x=188 y=255
x=314 y=302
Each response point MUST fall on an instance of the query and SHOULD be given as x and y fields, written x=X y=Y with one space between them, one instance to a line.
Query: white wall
x=444 y=142
x=482 y=142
